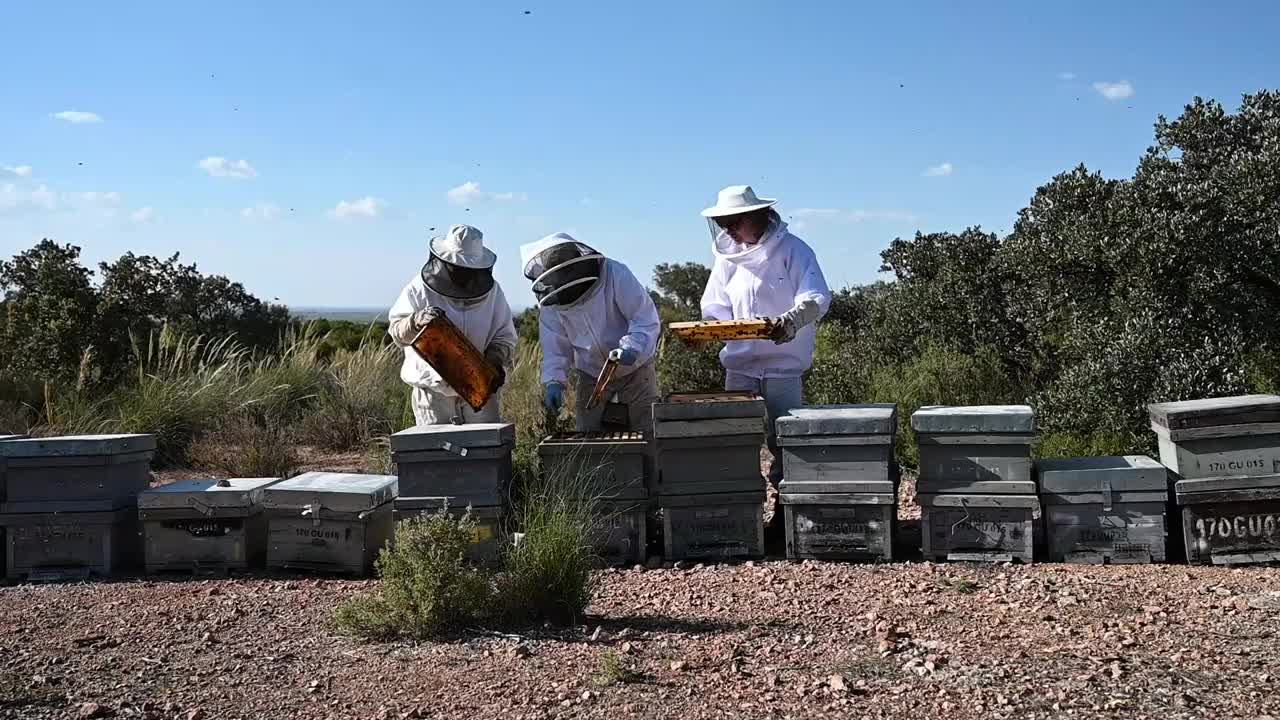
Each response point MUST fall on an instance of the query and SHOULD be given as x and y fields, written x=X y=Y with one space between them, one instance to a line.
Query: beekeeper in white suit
x=761 y=270
x=592 y=309
x=456 y=281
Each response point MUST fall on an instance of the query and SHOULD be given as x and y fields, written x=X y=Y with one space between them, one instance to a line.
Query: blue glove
x=624 y=356
x=553 y=396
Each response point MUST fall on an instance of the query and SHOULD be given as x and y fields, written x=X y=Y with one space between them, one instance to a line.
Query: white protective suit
x=485 y=320
x=778 y=275
x=616 y=312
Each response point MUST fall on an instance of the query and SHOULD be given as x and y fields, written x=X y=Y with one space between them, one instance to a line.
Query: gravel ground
x=763 y=640
x=757 y=640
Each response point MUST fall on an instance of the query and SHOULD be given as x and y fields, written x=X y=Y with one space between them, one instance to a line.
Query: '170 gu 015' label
x=1242 y=466
x=1238 y=527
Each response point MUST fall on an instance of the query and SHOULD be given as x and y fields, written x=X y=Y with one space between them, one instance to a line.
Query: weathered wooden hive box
x=711 y=491
x=332 y=522
x=612 y=466
x=1230 y=520
x=1105 y=509
x=490 y=535
x=204 y=526
x=469 y=464
x=615 y=470
x=68 y=504
x=981 y=450
x=839 y=487
x=40 y=473
x=717 y=526
x=982 y=528
x=709 y=443
x=1219 y=437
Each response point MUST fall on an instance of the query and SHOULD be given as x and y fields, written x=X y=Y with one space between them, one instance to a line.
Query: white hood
x=617 y=312
x=765 y=280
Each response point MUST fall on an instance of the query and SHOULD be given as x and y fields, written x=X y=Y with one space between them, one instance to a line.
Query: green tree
x=50 y=308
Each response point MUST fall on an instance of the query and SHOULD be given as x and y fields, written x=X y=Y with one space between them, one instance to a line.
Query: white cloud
x=78 y=117
x=1066 y=76
x=261 y=211
x=852 y=216
x=1114 y=90
x=364 y=207
x=469 y=193
x=22 y=171
x=143 y=215
x=464 y=193
x=100 y=199
x=222 y=167
x=13 y=197
x=942 y=170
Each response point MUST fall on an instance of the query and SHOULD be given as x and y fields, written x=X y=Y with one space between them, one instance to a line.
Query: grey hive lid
x=435 y=437
x=1120 y=473
x=708 y=406
x=344 y=492
x=77 y=445
x=974 y=419
x=871 y=419
x=1212 y=412
x=238 y=493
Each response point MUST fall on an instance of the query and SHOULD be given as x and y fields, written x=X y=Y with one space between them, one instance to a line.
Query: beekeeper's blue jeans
x=781 y=395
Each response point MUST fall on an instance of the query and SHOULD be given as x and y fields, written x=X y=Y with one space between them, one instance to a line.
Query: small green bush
x=428 y=589
x=547 y=574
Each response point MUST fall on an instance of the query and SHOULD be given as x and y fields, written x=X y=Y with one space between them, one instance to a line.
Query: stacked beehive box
x=976 y=492
x=1105 y=509
x=612 y=469
x=840 y=481
x=1225 y=453
x=458 y=466
x=710 y=489
x=69 y=504
x=205 y=526
x=331 y=522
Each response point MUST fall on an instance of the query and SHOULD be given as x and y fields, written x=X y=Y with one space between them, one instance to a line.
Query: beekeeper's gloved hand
x=405 y=330
x=499 y=356
x=784 y=330
x=624 y=356
x=423 y=317
x=789 y=323
x=553 y=397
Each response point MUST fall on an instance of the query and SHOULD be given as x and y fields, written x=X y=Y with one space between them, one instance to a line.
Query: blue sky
x=305 y=148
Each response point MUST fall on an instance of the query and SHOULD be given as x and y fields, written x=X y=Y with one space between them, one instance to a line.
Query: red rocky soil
x=766 y=640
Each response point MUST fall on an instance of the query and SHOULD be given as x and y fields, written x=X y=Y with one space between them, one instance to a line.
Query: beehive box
x=709 y=443
x=713 y=527
x=840 y=526
x=487 y=540
x=1105 y=509
x=330 y=522
x=609 y=465
x=838 y=449
x=1230 y=520
x=981 y=450
x=622 y=534
x=204 y=526
x=95 y=540
x=1219 y=437
x=469 y=464
x=982 y=528
x=53 y=474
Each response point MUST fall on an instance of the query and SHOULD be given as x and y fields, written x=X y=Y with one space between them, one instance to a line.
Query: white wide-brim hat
x=735 y=200
x=463 y=246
